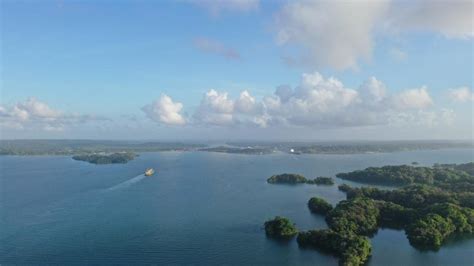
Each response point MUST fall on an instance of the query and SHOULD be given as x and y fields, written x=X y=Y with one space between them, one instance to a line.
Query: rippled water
x=200 y=208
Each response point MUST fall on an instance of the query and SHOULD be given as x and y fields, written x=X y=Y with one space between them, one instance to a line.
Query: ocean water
x=199 y=208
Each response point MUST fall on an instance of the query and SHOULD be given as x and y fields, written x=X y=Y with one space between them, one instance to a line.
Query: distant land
x=75 y=147
x=103 y=158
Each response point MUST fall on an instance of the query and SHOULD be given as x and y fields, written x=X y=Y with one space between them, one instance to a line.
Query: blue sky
x=94 y=65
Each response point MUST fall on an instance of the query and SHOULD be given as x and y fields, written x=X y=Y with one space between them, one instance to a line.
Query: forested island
x=433 y=205
x=299 y=179
x=398 y=175
x=113 y=158
x=280 y=227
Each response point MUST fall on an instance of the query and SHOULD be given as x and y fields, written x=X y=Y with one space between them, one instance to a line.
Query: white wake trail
x=127 y=183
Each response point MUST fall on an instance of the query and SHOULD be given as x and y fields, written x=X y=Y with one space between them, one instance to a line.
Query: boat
x=149 y=172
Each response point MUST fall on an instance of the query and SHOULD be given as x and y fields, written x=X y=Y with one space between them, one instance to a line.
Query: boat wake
x=127 y=183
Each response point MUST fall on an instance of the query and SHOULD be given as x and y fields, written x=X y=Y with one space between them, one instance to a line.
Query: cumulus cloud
x=164 y=110
x=217 y=108
x=214 y=47
x=216 y=7
x=321 y=102
x=35 y=114
x=462 y=94
x=340 y=34
x=413 y=99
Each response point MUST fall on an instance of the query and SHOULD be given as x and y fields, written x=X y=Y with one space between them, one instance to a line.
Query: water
x=200 y=208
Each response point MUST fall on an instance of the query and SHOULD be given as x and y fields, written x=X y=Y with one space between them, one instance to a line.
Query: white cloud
x=215 y=47
x=340 y=34
x=462 y=94
x=216 y=109
x=332 y=33
x=216 y=7
x=164 y=110
x=320 y=102
x=452 y=19
x=413 y=99
x=33 y=114
x=373 y=90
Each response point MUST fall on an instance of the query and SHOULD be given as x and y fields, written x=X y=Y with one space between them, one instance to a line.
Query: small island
x=280 y=228
x=113 y=158
x=287 y=179
x=319 y=206
x=298 y=179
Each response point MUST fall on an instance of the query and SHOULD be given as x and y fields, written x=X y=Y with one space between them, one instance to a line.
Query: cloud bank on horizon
x=317 y=36
x=317 y=102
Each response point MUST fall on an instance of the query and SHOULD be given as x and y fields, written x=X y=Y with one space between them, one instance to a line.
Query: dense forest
x=280 y=227
x=436 y=204
x=120 y=157
x=447 y=175
x=299 y=179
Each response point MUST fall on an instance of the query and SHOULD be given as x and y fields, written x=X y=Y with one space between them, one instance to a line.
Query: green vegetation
x=435 y=204
x=428 y=214
x=287 y=179
x=358 y=216
x=298 y=179
x=122 y=157
x=405 y=175
x=280 y=227
x=466 y=167
x=322 y=181
x=351 y=249
x=370 y=147
x=318 y=205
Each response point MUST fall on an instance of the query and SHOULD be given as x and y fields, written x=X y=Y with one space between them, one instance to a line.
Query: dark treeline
x=121 y=157
x=299 y=179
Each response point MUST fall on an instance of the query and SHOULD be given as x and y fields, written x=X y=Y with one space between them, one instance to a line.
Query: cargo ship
x=149 y=172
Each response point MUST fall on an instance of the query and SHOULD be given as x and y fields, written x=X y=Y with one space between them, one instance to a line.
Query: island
x=435 y=204
x=280 y=228
x=287 y=179
x=399 y=175
x=298 y=179
x=113 y=158
x=321 y=180
x=319 y=206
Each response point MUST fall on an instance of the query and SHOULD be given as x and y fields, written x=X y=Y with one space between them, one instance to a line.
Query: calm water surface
x=200 y=208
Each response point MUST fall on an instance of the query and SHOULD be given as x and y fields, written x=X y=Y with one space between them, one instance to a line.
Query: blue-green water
x=200 y=208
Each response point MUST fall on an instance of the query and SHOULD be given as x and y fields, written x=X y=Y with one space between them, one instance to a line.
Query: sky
x=236 y=69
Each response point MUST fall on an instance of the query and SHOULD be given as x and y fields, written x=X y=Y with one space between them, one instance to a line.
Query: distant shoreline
x=75 y=147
